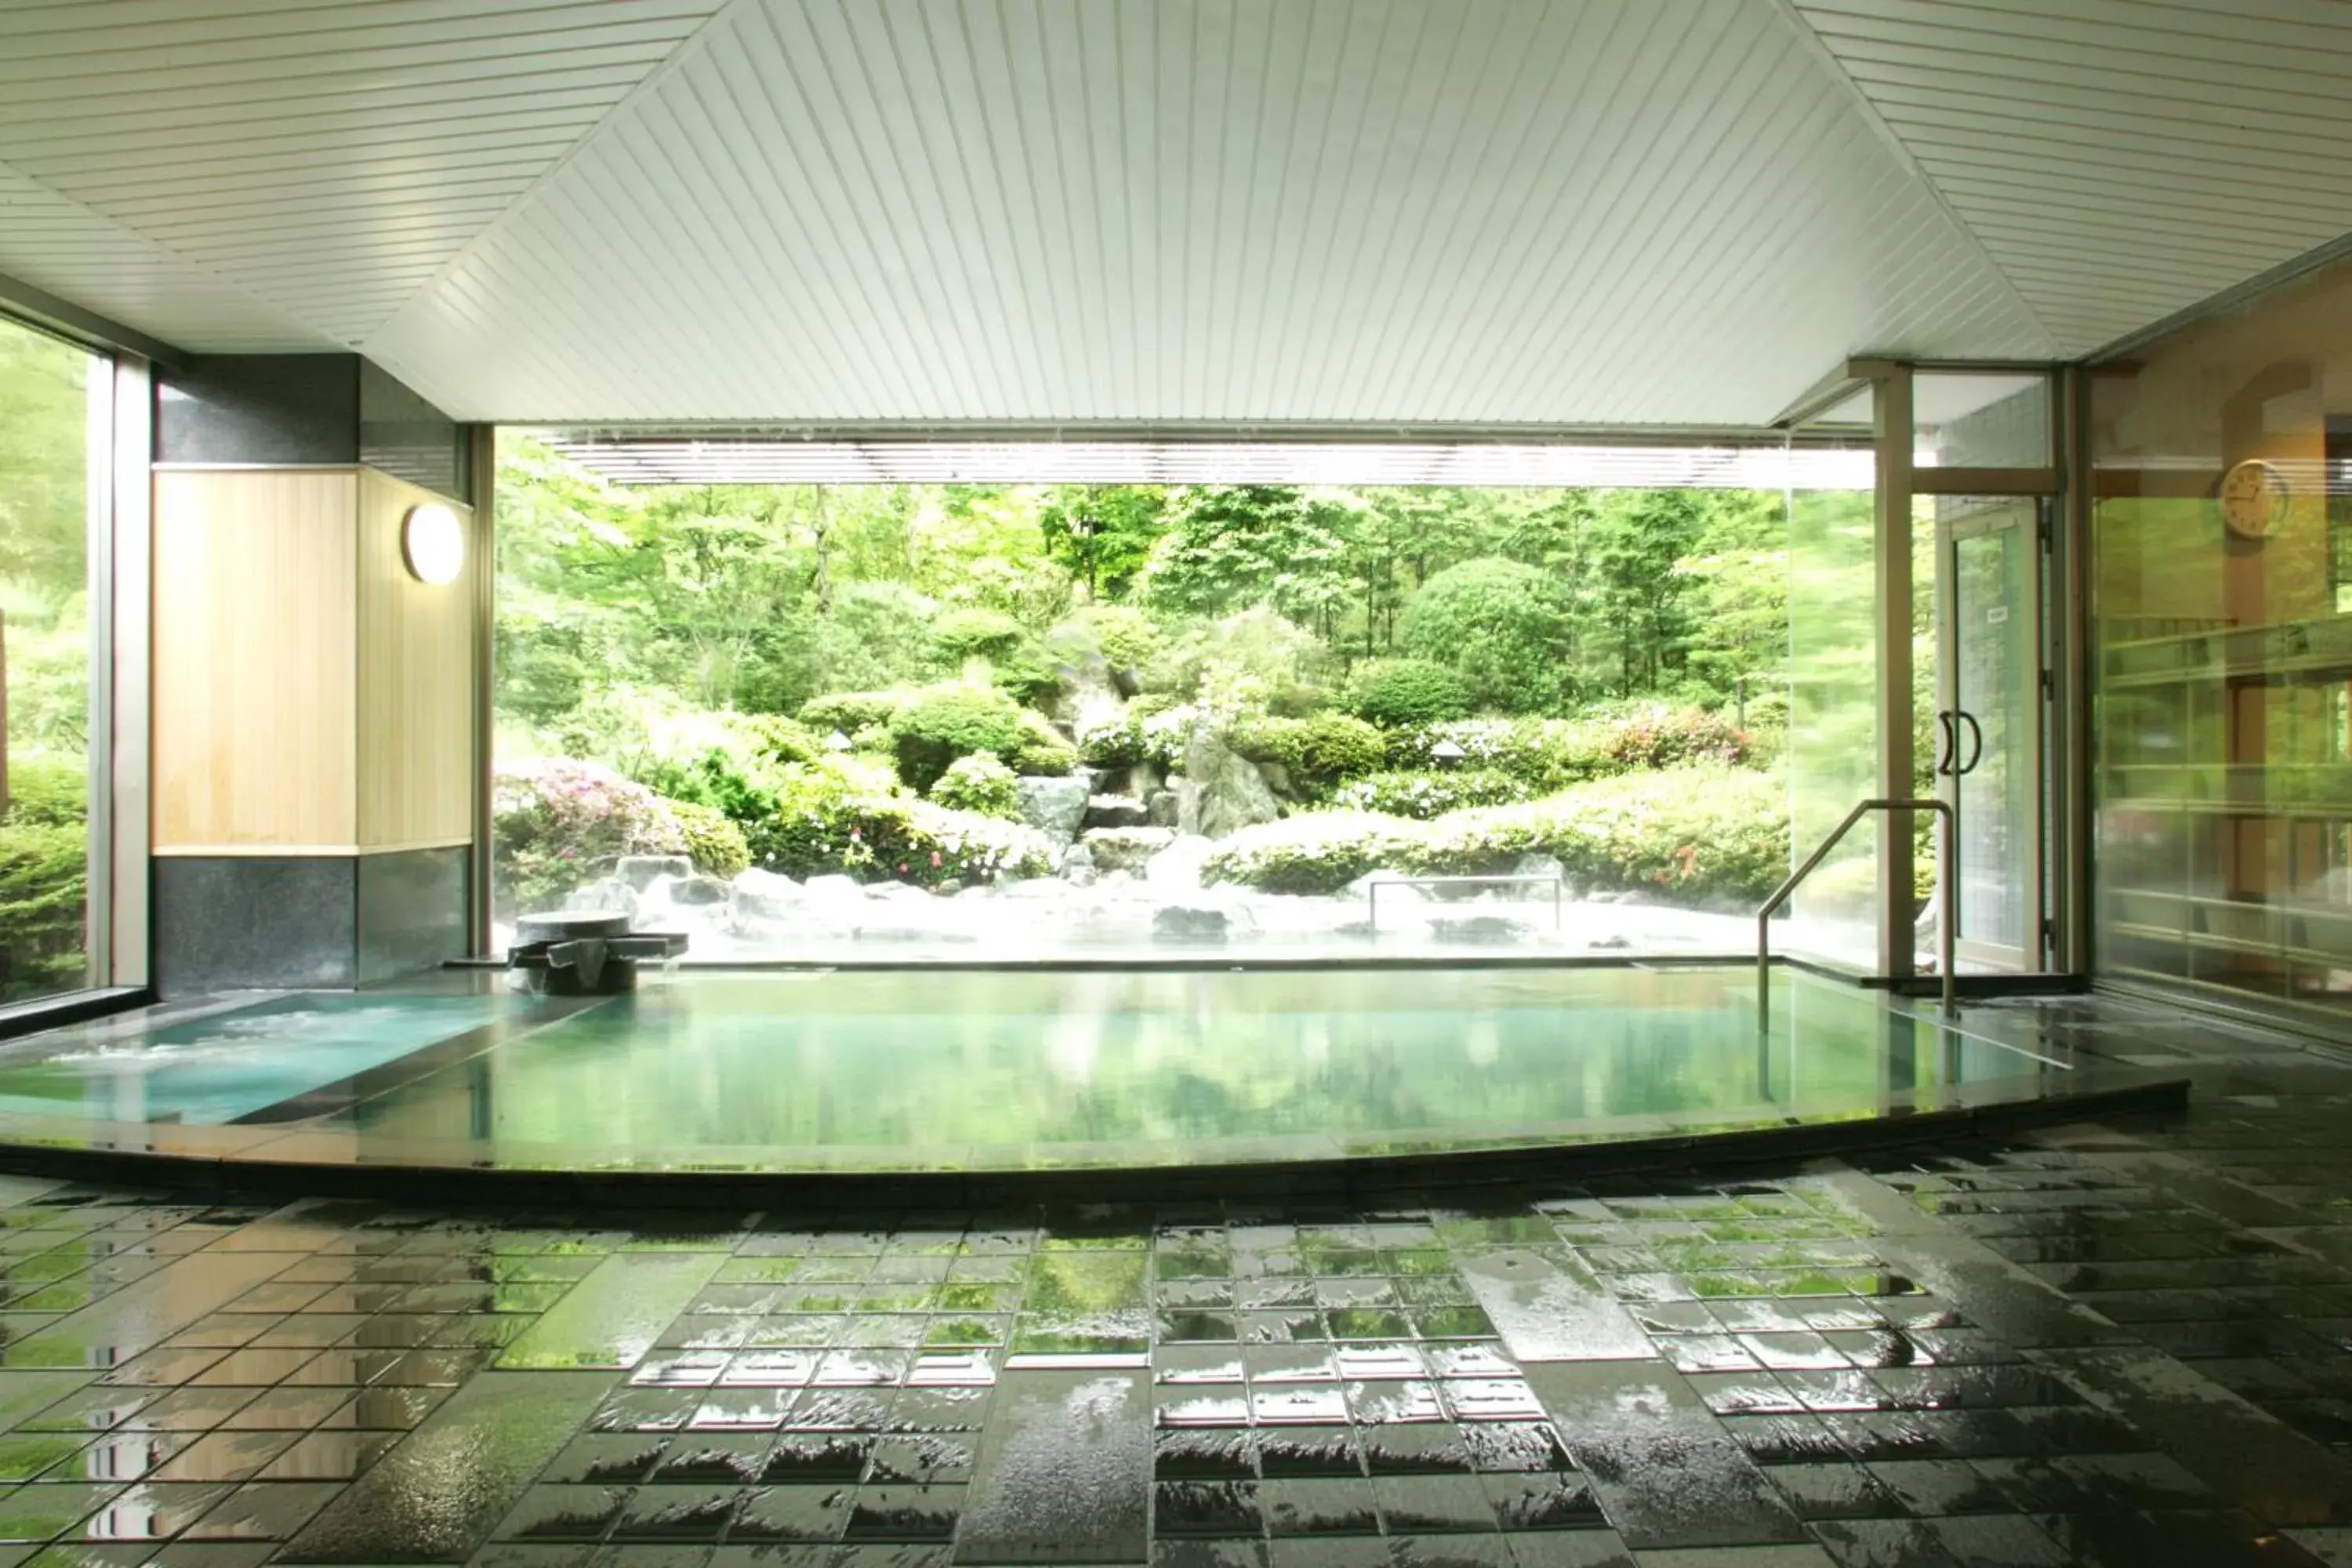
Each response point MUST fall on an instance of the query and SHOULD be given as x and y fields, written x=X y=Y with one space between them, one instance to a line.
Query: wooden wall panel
x=255 y=676
x=416 y=709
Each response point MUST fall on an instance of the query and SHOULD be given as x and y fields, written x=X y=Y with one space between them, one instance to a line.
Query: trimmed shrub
x=1697 y=835
x=1318 y=852
x=1128 y=637
x=717 y=845
x=1426 y=794
x=979 y=783
x=1044 y=751
x=849 y=712
x=559 y=824
x=960 y=635
x=1320 y=749
x=940 y=724
x=776 y=739
x=1402 y=691
x=1112 y=742
x=834 y=816
x=1504 y=626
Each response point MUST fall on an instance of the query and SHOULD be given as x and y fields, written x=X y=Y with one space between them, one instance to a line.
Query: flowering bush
x=1697 y=835
x=559 y=824
x=1424 y=794
x=1112 y=742
x=979 y=783
x=1654 y=735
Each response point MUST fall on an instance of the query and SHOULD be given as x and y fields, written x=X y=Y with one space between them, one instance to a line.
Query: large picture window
x=54 y=429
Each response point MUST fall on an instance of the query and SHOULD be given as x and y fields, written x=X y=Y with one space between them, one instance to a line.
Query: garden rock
x=1125 y=849
x=639 y=871
x=763 y=895
x=834 y=888
x=1078 y=865
x=697 y=892
x=1116 y=811
x=1479 y=928
x=1160 y=810
x=606 y=895
x=1223 y=791
x=1183 y=922
x=1055 y=807
x=1277 y=779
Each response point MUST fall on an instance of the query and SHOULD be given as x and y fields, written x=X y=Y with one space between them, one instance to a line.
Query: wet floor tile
x=612 y=1318
x=437 y=1492
x=1064 y=1472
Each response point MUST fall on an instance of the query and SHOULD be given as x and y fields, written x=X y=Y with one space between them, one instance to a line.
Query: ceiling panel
x=2121 y=160
x=331 y=156
x=1615 y=211
x=1374 y=213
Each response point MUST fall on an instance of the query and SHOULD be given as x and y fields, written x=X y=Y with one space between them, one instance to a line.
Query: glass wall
x=53 y=419
x=1833 y=717
x=2221 y=549
x=816 y=722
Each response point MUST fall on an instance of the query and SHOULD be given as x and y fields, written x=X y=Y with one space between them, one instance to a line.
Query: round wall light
x=433 y=543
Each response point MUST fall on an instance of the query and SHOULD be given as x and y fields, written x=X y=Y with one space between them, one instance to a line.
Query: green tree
x=1102 y=534
x=1504 y=626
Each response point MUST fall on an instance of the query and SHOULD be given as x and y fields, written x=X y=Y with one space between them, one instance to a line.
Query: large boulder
x=763 y=896
x=1125 y=849
x=833 y=889
x=1188 y=923
x=1223 y=791
x=695 y=892
x=606 y=895
x=639 y=871
x=1055 y=807
x=1117 y=810
x=1161 y=809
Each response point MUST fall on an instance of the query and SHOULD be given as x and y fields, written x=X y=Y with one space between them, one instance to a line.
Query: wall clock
x=2254 y=498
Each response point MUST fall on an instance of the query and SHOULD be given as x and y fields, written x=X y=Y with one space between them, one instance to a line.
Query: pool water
x=993 y=1071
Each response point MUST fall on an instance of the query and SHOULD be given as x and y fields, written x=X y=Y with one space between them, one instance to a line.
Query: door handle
x=1976 y=733
x=1951 y=747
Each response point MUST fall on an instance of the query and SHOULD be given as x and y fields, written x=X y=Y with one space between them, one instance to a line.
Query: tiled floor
x=2127 y=1346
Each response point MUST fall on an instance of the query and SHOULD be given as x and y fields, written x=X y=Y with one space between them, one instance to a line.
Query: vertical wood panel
x=416 y=707
x=253 y=649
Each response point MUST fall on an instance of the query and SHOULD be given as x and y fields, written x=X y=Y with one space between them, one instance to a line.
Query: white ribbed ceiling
x=1374 y=212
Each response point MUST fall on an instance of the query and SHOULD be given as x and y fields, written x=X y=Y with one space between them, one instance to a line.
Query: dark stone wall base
x=235 y=922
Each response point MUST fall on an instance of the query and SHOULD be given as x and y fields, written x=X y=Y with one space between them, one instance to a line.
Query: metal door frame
x=2004 y=514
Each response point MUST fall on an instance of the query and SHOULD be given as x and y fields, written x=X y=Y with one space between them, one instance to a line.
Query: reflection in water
x=945 y=1061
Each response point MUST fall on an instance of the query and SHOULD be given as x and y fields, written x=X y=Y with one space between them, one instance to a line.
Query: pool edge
x=1355 y=1178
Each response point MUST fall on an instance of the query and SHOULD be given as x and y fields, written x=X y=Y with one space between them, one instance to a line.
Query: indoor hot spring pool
x=825 y=1072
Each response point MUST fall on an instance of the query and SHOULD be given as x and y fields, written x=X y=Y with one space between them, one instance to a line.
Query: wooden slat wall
x=416 y=709
x=254 y=677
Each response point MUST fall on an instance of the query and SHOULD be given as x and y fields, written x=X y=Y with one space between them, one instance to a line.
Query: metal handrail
x=1944 y=925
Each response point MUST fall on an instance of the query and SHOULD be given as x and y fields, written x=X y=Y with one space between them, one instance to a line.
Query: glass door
x=1990 y=724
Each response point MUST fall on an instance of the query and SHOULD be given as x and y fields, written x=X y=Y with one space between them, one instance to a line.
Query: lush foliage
x=560 y=824
x=979 y=784
x=1505 y=627
x=1698 y=836
x=1407 y=691
x=1424 y=794
x=1416 y=652
x=44 y=877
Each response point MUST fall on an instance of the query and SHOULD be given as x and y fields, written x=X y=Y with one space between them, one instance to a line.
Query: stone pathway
x=2123 y=1345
